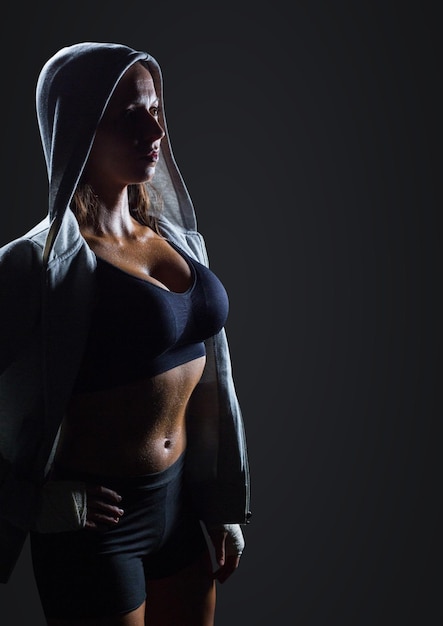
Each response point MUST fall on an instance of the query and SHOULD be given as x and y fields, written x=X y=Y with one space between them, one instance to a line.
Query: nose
x=152 y=129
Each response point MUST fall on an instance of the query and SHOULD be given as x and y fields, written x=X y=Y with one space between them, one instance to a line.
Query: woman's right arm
x=20 y=293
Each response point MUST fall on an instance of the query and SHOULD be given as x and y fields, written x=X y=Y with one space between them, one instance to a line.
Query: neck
x=113 y=216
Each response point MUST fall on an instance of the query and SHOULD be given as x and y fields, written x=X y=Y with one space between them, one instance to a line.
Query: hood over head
x=73 y=90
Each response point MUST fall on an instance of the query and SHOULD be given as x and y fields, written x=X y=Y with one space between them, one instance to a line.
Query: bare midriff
x=130 y=430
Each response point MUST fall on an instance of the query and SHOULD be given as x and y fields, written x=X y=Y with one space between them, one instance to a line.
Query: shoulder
x=21 y=263
x=24 y=254
x=190 y=241
x=20 y=258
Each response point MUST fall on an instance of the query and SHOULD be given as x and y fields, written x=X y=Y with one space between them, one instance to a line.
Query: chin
x=148 y=174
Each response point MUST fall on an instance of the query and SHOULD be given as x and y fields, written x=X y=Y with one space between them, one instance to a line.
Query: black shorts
x=96 y=573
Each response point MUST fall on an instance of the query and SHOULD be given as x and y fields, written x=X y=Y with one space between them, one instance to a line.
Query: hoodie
x=47 y=283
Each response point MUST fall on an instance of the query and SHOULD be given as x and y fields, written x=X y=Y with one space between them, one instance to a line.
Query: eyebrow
x=139 y=100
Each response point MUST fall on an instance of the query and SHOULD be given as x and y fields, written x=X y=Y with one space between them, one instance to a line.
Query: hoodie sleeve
x=216 y=460
x=20 y=292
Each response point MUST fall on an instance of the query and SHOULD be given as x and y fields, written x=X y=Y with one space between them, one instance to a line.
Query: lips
x=153 y=156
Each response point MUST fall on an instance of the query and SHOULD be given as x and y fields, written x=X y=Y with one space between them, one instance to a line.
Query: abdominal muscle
x=137 y=428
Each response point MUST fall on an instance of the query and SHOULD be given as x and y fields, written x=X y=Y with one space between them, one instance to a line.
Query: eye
x=155 y=111
x=128 y=113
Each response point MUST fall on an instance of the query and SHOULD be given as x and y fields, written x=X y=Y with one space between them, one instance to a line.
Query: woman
x=123 y=451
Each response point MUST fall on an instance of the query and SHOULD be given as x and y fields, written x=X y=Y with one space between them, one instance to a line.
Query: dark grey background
x=307 y=135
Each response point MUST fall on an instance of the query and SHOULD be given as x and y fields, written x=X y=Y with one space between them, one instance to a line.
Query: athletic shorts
x=87 y=573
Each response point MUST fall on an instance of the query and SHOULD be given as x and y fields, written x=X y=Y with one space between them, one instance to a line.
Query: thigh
x=76 y=581
x=185 y=598
x=92 y=574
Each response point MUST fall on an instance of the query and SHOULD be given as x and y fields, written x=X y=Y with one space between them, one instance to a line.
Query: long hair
x=144 y=205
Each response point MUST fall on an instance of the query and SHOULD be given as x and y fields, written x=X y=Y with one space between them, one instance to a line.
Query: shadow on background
x=307 y=140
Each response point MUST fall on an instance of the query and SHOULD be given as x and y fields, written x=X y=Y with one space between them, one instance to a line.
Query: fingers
x=227 y=569
x=218 y=537
x=228 y=562
x=103 y=508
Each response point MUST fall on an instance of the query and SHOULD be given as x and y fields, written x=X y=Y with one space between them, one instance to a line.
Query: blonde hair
x=144 y=205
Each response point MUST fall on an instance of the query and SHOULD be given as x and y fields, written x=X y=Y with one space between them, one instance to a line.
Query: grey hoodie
x=47 y=287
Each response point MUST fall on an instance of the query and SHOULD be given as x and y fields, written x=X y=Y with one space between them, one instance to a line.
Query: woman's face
x=127 y=142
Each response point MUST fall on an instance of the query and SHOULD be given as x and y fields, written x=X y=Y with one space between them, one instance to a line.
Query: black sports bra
x=139 y=329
